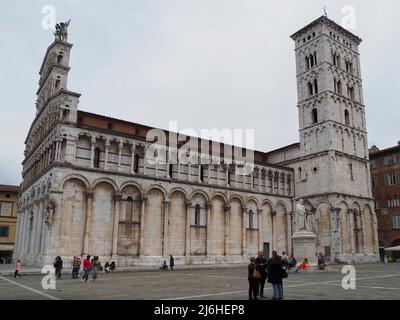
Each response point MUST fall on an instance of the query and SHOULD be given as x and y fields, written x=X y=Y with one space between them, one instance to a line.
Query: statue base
x=304 y=246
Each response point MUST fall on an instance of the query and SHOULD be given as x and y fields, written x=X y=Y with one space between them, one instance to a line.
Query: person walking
x=58 y=265
x=171 y=262
x=96 y=265
x=321 y=261
x=253 y=281
x=87 y=267
x=275 y=275
x=75 y=268
x=18 y=268
x=261 y=265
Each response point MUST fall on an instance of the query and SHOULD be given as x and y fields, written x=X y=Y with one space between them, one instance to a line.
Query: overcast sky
x=204 y=63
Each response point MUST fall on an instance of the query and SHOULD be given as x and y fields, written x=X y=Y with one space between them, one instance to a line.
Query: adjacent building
x=8 y=221
x=89 y=187
x=385 y=181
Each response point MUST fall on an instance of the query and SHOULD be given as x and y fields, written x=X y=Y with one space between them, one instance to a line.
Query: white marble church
x=87 y=188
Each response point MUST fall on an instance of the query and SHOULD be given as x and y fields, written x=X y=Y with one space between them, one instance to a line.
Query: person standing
x=171 y=262
x=75 y=269
x=58 y=265
x=253 y=281
x=261 y=265
x=18 y=268
x=285 y=260
x=275 y=275
x=87 y=267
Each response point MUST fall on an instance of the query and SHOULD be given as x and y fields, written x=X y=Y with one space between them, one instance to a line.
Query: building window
x=374 y=182
x=346 y=117
x=201 y=173
x=307 y=63
x=391 y=179
x=171 y=167
x=396 y=222
x=390 y=160
x=136 y=166
x=4 y=230
x=314 y=116
x=129 y=209
x=373 y=164
x=197 y=210
x=97 y=158
x=109 y=126
x=315 y=86
x=377 y=204
x=6 y=209
x=60 y=58
x=251 y=219
x=310 y=89
x=395 y=201
x=349 y=67
x=315 y=58
x=299 y=172
x=351 y=171
x=350 y=92
x=58 y=83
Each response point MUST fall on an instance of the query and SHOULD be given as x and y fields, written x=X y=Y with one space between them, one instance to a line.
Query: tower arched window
x=346 y=117
x=57 y=84
x=129 y=209
x=307 y=63
x=299 y=173
x=310 y=89
x=171 y=167
x=197 y=210
x=315 y=86
x=315 y=58
x=339 y=87
x=201 y=173
x=60 y=58
x=314 y=116
x=97 y=158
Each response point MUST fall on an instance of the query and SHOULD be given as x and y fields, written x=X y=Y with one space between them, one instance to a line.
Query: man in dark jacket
x=253 y=282
x=275 y=275
x=261 y=265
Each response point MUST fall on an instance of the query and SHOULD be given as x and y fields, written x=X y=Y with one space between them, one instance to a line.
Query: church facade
x=88 y=187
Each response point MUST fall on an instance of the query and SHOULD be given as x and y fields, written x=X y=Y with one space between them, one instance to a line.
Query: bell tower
x=333 y=134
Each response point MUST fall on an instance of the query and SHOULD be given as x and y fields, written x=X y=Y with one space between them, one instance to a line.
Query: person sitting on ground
x=112 y=266
x=292 y=262
x=107 y=267
x=303 y=266
x=321 y=262
x=164 y=266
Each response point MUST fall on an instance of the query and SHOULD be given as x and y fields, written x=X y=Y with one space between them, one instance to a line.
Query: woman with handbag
x=253 y=277
x=275 y=275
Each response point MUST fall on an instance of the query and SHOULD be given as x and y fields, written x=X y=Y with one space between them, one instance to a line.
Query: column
x=106 y=155
x=244 y=232
x=189 y=170
x=266 y=180
x=133 y=159
x=351 y=230
x=34 y=229
x=86 y=241
x=39 y=230
x=117 y=202
x=208 y=244
x=165 y=228
x=120 y=147
x=252 y=179
x=141 y=236
x=375 y=232
x=92 y=152
x=289 y=233
x=259 y=179
x=24 y=230
x=273 y=218
x=227 y=229
x=217 y=166
x=187 y=233
x=227 y=175
x=209 y=173
x=179 y=169
x=44 y=232
x=259 y=225
x=363 y=225
x=272 y=182
x=145 y=161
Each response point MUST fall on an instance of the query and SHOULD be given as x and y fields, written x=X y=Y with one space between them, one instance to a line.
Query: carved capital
x=117 y=197
x=227 y=208
x=188 y=204
x=89 y=194
x=143 y=199
x=208 y=205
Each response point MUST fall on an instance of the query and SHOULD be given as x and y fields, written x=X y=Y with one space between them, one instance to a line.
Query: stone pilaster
x=117 y=205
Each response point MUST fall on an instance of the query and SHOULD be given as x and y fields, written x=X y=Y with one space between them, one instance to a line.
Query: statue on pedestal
x=302 y=213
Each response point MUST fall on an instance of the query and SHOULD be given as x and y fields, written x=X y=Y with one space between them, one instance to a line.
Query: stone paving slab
x=373 y=282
